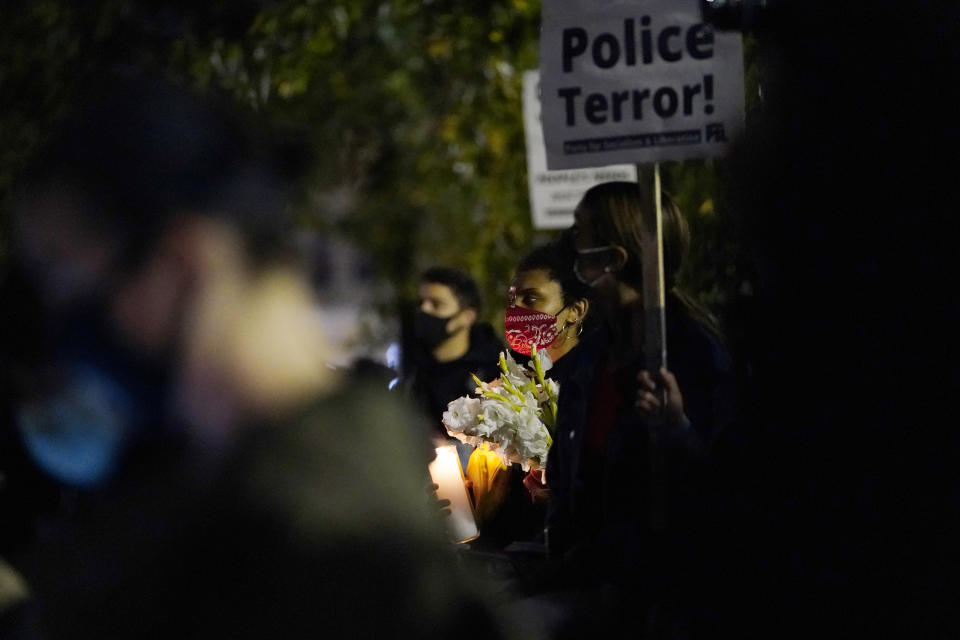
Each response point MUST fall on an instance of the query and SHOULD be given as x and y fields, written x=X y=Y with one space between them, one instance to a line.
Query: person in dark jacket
x=293 y=503
x=627 y=474
x=511 y=503
x=448 y=344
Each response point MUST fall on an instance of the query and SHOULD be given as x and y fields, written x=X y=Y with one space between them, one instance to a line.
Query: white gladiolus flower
x=495 y=414
x=552 y=388
x=461 y=414
x=512 y=413
x=545 y=360
x=528 y=424
x=515 y=374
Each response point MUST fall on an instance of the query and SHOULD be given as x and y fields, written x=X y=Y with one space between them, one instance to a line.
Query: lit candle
x=448 y=475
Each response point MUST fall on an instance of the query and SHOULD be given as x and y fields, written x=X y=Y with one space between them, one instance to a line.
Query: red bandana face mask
x=526 y=327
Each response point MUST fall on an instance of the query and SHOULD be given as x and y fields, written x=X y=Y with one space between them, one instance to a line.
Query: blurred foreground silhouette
x=842 y=514
x=222 y=480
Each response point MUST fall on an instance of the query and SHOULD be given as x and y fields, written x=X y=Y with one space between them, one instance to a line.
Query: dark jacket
x=601 y=516
x=431 y=385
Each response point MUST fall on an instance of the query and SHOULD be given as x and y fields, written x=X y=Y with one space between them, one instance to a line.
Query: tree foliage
x=412 y=109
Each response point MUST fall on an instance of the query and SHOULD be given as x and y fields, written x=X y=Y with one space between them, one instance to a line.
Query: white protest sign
x=636 y=81
x=555 y=194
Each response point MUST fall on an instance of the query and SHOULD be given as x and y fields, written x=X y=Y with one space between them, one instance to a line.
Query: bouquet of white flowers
x=514 y=414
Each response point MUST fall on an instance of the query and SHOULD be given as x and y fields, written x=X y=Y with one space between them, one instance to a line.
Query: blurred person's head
x=100 y=195
x=448 y=305
x=161 y=212
x=547 y=304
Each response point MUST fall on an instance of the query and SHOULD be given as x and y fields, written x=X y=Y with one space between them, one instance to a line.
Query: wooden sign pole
x=655 y=341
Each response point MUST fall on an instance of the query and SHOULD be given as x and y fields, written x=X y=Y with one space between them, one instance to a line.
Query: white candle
x=448 y=475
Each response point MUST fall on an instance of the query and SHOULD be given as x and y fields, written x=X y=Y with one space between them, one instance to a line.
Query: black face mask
x=429 y=330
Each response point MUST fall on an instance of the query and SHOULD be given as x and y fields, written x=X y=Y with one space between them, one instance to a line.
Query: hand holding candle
x=447 y=475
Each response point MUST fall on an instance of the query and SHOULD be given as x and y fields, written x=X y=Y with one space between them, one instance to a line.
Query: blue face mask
x=588 y=252
x=78 y=433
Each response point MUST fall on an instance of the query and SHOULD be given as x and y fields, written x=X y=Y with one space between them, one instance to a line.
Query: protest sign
x=636 y=81
x=555 y=194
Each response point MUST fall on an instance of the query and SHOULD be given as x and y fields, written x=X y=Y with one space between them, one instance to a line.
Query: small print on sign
x=636 y=82
x=555 y=194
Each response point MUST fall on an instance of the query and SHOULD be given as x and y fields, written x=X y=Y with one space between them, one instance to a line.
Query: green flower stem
x=509 y=386
x=493 y=395
x=506 y=385
x=538 y=368
x=532 y=389
x=477 y=380
x=536 y=364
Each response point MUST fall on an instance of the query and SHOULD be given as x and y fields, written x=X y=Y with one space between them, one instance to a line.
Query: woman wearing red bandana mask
x=547 y=307
x=541 y=311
